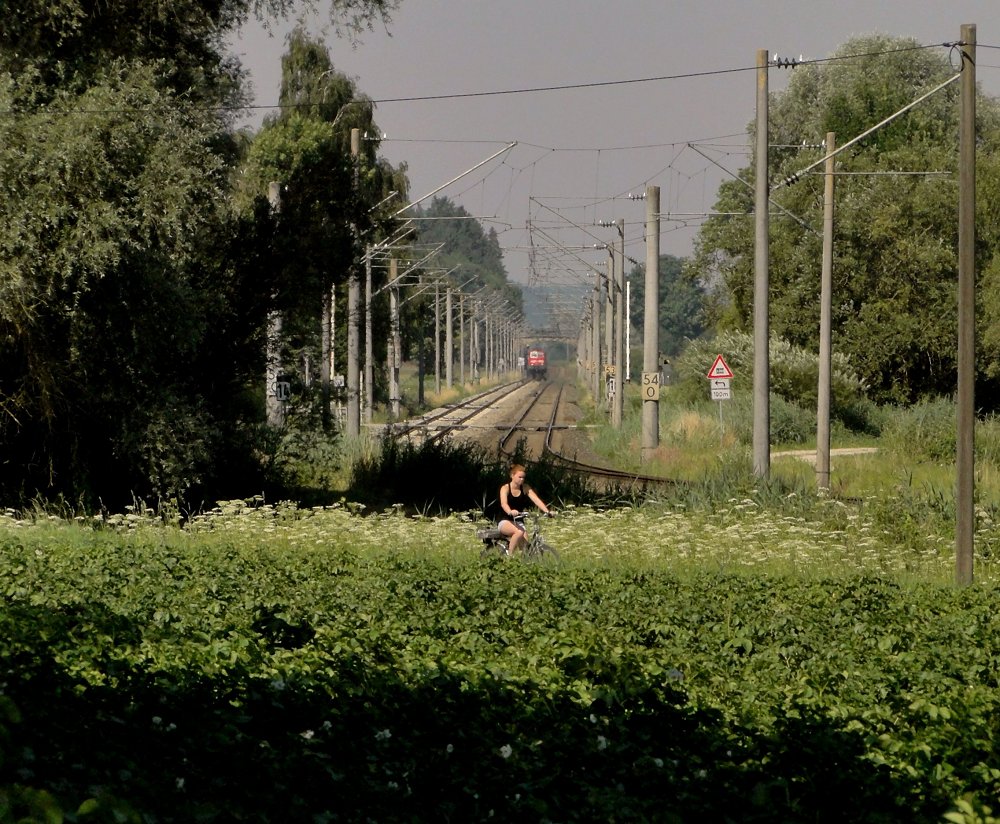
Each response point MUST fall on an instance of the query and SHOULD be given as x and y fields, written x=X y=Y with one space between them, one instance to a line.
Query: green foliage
x=110 y=284
x=924 y=431
x=894 y=304
x=429 y=476
x=475 y=252
x=794 y=380
x=132 y=300
x=304 y=463
x=681 y=305
x=268 y=663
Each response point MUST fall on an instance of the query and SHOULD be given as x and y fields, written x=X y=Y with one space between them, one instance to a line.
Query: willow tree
x=895 y=247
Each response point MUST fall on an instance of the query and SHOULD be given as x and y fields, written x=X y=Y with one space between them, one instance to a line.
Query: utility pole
x=489 y=343
x=354 y=318
x=825 y=323
x=651 y=328
x=272 y=354
x=461 y=338
x=761 y=286
x=395 y=352
x=609 y=313
x=369 y=342
x=965 y=448
x=595 y=315
x=325 y=345
x=421 y=366
x=437 y=339
x=618 y=404
x=449 y=338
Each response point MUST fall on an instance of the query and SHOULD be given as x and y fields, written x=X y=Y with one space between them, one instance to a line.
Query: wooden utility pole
x=354 y=319
x=825 y=323
x=449 y=338
x=461 y=338
x=965 y=451
x=761 y=286
x=437 y=339
x=325 y=360
x=609 y=310
x=394 y=341
x=650 y=383
x=595 y=318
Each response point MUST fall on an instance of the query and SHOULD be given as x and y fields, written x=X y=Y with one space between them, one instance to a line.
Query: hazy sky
x=582 y=151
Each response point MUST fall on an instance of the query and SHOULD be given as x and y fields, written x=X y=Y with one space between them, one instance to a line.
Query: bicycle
x=534 y=549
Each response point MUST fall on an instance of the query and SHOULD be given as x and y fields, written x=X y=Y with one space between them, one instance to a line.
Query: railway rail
x=456 y=416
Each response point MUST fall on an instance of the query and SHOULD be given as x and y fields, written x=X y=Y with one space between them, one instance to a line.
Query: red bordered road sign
x=720 y=369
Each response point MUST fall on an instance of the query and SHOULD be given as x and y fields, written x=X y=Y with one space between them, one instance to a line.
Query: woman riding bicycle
x=515 y=497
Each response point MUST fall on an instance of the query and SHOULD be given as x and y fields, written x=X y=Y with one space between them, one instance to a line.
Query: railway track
x=538 y=420
x=622 y=478
x=454 y=417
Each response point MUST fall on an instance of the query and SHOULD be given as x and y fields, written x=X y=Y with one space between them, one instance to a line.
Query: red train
x=535 y=364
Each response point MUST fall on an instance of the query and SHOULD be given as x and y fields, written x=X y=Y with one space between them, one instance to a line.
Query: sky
x=601 y=99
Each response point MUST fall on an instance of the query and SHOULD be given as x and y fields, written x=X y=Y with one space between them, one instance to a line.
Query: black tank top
x=518 y=502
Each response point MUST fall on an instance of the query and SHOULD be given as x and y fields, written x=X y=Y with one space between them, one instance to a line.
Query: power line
x=778 y=62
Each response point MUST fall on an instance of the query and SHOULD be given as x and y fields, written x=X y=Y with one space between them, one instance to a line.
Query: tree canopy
x=681 y=305
x=895 y=242
x=132 y=293
x=472 y=251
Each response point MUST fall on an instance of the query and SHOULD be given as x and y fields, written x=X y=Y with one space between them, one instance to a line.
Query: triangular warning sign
x=720 y=369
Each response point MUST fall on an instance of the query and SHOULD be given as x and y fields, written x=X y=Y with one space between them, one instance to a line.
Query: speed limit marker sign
x=650 y=386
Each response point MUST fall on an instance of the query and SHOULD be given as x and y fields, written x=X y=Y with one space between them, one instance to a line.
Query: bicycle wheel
x=540 y=552
x=493 y=550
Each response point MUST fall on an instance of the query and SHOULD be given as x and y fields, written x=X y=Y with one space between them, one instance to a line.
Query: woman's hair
x=514 y=468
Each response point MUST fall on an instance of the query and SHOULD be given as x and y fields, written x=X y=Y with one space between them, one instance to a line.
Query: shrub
x=794 y=377
x=790 y=423
x=430 y=475
x=988 y=440
x=925 y=431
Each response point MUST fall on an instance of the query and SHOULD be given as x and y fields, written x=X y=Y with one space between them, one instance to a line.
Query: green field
x=266 y=663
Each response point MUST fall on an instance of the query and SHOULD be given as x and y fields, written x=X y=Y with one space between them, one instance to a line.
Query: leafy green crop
x=267 y=663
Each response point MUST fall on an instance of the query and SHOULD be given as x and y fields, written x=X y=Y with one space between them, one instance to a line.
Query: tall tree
x=332 y=208
x=895 y=259
x=110 y=198
x=466 y=245
x=682 y=304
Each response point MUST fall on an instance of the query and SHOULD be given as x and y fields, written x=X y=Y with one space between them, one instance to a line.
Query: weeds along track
x=535 y=422
x=619 y=479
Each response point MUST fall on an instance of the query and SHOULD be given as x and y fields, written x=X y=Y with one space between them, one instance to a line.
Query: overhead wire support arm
x=750 y=186
x=506 y=148
x=433 y=253
x=569 y=251
x=794 y=178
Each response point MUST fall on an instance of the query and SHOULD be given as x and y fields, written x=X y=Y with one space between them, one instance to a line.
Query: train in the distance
x=535 y=363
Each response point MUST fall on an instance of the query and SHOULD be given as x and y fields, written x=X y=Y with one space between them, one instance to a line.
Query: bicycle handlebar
x=522 y=515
